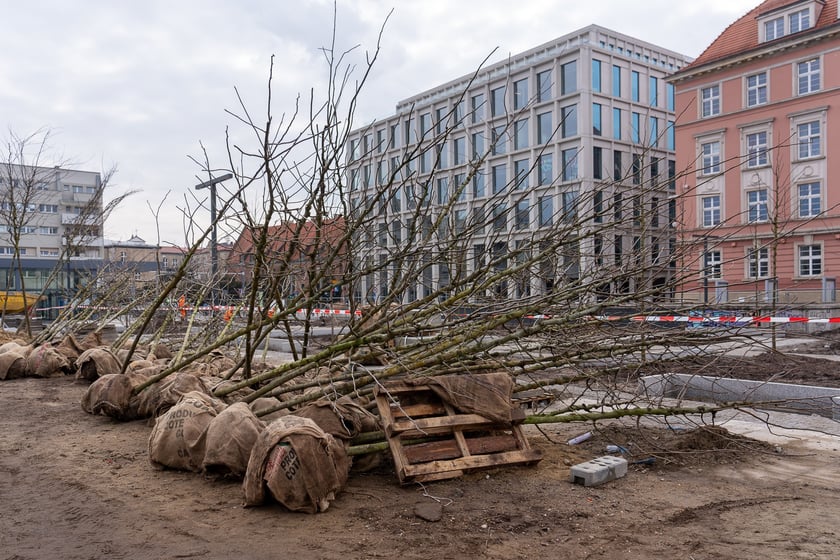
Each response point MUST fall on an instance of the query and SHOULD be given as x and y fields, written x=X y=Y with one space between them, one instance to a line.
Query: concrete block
x=598 y=471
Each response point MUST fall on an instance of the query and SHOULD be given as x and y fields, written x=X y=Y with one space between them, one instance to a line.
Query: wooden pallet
x=430 y=440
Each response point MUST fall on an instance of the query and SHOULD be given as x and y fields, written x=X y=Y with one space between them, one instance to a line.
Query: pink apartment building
x=756 y=125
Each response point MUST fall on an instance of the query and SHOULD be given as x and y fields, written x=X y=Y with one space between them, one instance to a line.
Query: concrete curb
x=803 y=399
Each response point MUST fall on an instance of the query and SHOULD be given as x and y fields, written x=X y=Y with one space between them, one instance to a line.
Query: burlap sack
x=344 y=418
x=161 y=396
x=45 y=361
x=16 y=346
x=71 y=348
x=261 y=405
x=230 y=438
x=96 y=362
x=178 y=436
x=299 y=464
x=12 y=364
x=111 y=395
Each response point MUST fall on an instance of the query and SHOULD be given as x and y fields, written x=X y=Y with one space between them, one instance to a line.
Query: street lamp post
x=214 y=250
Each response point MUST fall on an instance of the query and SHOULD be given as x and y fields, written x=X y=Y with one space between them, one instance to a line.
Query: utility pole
x=214 y=249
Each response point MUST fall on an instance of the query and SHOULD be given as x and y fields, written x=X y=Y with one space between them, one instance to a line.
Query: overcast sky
x=142 y=85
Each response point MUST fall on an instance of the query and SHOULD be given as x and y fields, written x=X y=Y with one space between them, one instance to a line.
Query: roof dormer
x=790 y=18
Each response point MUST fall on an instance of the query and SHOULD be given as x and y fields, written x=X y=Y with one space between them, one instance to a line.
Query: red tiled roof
x=742 y=35
x=303 y=235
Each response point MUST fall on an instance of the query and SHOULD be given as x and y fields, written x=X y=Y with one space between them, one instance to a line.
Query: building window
x=544 y=85
x=499 y=140
x=616 y=124
x=478 y=185
x=653 y=91
x=546 y=206
x=520 y=134
x=122 y=257
x=425 y=125
x=758 y=262
x=618 y=166
x=810 y=260
x=48 y=208
x=617 y=248
x=757 y=149
x=711 y=210
x=497 y=101
x=597 y=162
x=809 y=199
x=499 y=178
x=617 y=207
x=596 y=75
x=459 y=151
x=774 y=29
x=568 y=116
x=443 y=190
x=520 y=94
x=596 y=119
x=757 y=205
x=570 y=203
x=710 y=101
x=808 y=76
x=670 y=98
x=634 y=127
x=757 y=89
x=670 y=137
x=570 y=172
x=598 y=207
x=545 y=172
x=568 y=78
x=523 y=214
x=477 y=108
x=799 y=21
x=710 y=152
x=654 y=131
x=634 y=86
x=616 y=81
x=545 y=128
x=500 y=217
x=521 y=169
x=637 y=169
x=712 y=261
x=809 y=139
x=477 y=146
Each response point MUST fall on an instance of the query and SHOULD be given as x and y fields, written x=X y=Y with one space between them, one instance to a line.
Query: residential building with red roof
x=757 y=119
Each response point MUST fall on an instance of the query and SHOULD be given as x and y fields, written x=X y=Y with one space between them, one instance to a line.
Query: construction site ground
x=76 y=486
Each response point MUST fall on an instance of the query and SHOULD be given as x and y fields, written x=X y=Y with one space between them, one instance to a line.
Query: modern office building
x=754 y=135
x=57 y=215
x=577 y=130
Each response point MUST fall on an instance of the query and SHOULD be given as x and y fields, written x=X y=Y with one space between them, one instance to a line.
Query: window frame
x=759 y=89
x=814 y=259
x=812 y=199
x=710 y=101
x=805 y=76
x=710 y=214
x=758 y=206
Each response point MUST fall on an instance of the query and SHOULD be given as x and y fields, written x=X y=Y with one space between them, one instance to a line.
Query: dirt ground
x=75 y=486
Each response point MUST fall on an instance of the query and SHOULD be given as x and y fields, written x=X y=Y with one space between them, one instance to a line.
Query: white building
x=578 y=130
x=57 y=214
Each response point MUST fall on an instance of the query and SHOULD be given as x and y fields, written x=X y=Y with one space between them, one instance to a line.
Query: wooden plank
x=416 y=410
x=448 y=448
x=475 y=462
x=458 y=432
x=397 y=451
x=419 y=427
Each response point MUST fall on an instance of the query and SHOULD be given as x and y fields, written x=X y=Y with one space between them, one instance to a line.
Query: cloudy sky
x=142 y=86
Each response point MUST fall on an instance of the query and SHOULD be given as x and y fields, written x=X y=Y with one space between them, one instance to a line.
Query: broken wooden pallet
x=431 y=440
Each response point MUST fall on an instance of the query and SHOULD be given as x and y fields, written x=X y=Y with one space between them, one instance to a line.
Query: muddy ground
x=75 y=486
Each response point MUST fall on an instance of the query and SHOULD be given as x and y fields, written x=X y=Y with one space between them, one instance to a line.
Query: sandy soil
x=75 y=486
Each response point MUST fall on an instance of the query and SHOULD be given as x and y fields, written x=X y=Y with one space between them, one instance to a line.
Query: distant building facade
x=579 y=129
x=57 y=216
x=757 y=123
